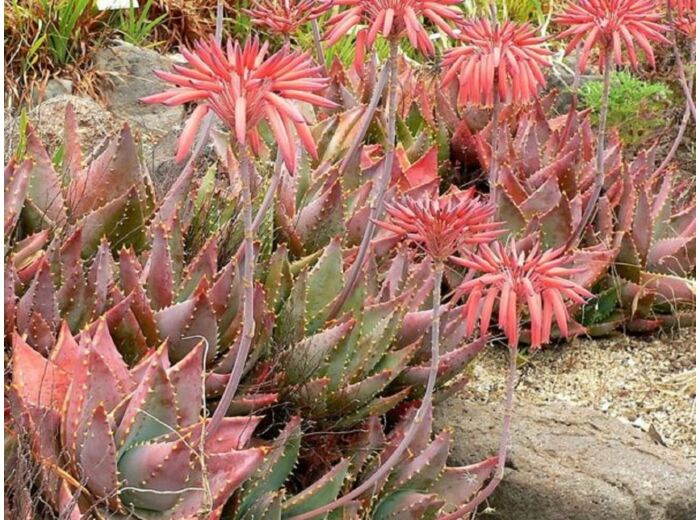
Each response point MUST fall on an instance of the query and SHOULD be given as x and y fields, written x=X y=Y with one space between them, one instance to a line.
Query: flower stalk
x=495 y=132
x=679 y=135
x=600 y=154
x=377 y=205
x=502 y=447
x=682 y=79
x=493 y=167
x=576 y=84
x=167 y=210
x=366 y=120
x=320 y=56
x=248 y=331
x=266 y=204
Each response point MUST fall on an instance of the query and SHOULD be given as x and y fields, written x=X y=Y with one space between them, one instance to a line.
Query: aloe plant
x=270 y=291
x=422 y=486
x=176 y=296
x=547 y=178
x=654 y=236
x=125 y=441
x=111 y=196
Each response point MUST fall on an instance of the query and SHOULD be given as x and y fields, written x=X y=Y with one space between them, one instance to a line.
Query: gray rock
x=129 y=70
x=570 y=463
x=54 y=87
x=159 y=158
x=94 y=122
x=160 y=161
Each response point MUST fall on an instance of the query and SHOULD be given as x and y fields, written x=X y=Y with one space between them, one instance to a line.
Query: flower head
x=611 y=23
x=683 y=12
x=443 y=225
x=537 y=281
x=284 y=17
x=506 y=55
x=393 y=19
x=244 y=87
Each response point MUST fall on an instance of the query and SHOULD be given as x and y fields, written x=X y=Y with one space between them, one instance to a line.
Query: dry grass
x=40 y=44
x=187 y=21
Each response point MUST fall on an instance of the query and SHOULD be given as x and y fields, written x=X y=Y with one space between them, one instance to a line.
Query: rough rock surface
x=54 y=87
x=129 y=71
x=645 y=381
x=561 y=78
x=94 y=122
x=160 y=161
x=571 y=463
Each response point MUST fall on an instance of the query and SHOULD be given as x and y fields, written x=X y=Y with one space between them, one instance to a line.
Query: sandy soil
x=648 y=382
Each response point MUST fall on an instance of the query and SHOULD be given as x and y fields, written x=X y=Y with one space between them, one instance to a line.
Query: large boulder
x=47 y=118
x=571 y=463
x=129 y=71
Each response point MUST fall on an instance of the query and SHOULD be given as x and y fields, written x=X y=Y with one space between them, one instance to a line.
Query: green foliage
x=517 y=10
x=345 y=49
x=43 y=37
x=58 y=27
x=600 y=308
x=63 y=33
x=135 y=24
x=22 y=136
x=140 y=281
x=643 y=244
x=239 y=24
x=636 y=107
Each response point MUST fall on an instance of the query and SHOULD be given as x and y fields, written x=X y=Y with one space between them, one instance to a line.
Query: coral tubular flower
x=243 y=86
x=443 y=225
x=538 y=281
x=507 y=56
x=610 y=24
x=684 y=16
x=284 y=17
x=394 y=18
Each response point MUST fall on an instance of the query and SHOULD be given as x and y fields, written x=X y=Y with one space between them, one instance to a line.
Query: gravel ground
x=648 y=382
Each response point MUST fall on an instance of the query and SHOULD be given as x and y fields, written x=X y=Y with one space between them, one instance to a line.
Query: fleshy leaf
x=98 y=456
x=159 y=471
x=277 y=466
x=319 y=493
x=151 y=411
x=38 y=381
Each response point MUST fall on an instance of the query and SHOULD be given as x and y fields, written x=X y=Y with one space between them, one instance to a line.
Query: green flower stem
x=377 y=205
x=248 y=331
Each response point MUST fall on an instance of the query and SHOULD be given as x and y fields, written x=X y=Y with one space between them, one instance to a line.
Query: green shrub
x=636 y=106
